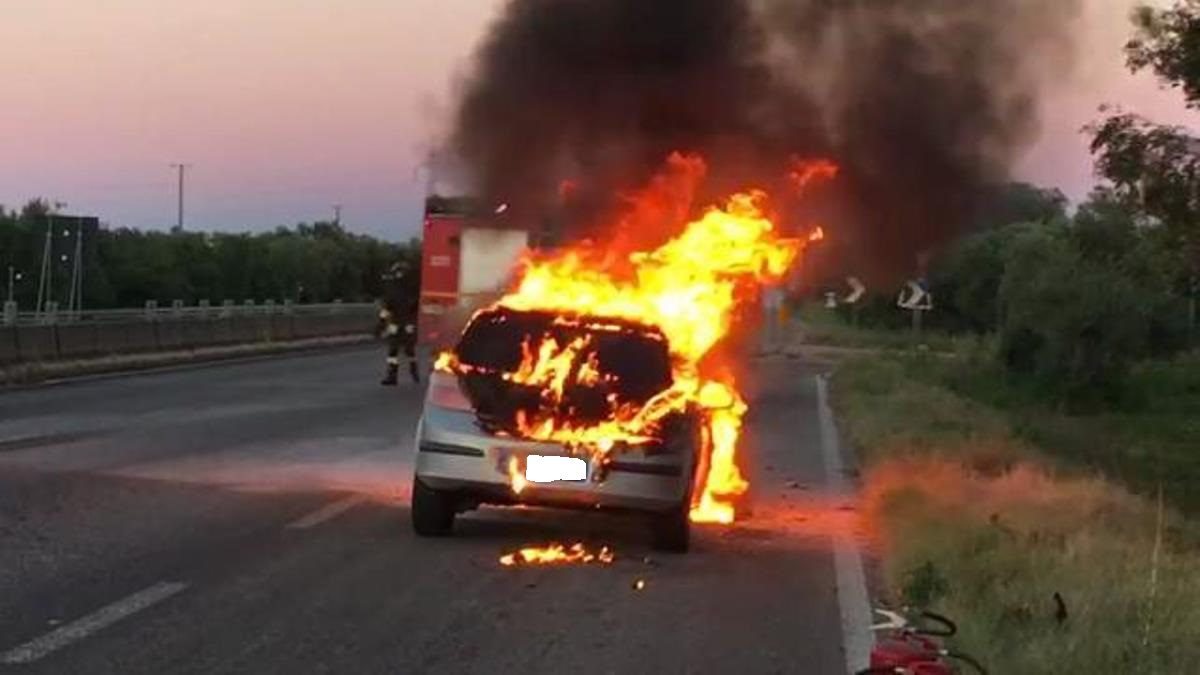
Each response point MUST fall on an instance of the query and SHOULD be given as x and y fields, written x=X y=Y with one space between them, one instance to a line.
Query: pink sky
x=286 y=107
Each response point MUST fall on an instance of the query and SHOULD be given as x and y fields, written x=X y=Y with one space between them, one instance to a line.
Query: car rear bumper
x=476 y=466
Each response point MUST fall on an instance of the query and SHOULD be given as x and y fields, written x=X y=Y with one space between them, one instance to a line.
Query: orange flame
x=516 y=477
x=557 y=554
x=805 y=172
x=686 y=288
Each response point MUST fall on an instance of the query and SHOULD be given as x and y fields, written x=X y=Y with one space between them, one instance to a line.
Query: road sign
x=914 y=296
x=831 y=301
x=857 y=289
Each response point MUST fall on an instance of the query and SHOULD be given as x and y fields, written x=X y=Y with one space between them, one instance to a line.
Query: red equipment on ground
x=914 y=649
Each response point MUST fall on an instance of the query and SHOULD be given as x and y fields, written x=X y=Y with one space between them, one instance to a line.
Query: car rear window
x=633 y=359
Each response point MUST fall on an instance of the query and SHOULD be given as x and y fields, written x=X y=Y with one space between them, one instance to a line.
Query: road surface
x=252 y=517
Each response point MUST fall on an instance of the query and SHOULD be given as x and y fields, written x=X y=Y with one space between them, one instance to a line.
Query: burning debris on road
x=557 y=554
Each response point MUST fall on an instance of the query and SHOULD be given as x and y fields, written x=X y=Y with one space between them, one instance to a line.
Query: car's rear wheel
x=672 y=531
x=432 y=511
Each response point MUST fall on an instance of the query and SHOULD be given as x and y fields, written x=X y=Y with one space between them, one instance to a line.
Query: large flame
x=687 y=289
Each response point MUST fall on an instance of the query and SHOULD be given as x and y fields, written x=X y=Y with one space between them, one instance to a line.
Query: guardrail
x=51 y=335
x=152 y=312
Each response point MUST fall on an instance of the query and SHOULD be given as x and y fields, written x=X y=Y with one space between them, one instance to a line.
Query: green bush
x=1073 y=322
x=966 y=281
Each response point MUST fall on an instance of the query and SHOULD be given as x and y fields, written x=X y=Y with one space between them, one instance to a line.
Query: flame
x=516 y=475
x=686 y=288
x=557 y=554
x=805 y=171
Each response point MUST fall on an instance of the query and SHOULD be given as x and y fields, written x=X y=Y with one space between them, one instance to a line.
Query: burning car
x=597 y=381
x=513 y=371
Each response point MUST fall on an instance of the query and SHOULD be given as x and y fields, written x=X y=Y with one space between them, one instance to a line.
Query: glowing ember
x=557 y=554
x=686 y=288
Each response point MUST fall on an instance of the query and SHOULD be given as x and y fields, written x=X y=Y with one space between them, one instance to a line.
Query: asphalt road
x=252 y=517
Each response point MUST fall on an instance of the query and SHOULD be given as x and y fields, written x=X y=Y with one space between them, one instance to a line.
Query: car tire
x=432 y=511
x=671 y=531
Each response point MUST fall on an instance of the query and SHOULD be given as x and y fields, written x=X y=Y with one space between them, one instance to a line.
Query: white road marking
x=853 y=599
x=80 y=628
x=327 y=512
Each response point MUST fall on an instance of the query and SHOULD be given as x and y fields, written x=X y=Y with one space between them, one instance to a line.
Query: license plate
x=552 y=468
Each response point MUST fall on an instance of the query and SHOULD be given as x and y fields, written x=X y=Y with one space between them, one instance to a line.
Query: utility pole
x=181 y=168
x=337 y=214
x=47 y=270
x=13 y=276
x=75 y=304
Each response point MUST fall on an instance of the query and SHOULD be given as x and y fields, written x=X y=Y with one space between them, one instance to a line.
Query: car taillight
x=445 y=393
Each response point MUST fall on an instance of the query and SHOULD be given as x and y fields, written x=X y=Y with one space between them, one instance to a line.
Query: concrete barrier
x=150 y=333
x=112 y=338
x=170 y=334
x=140 y=336
x=221 y=331
x=282 y=328
x=8 y=345
x=243 y=330
x=37 y=343
x=197 y=333
x=76 y=340
x=262 y=328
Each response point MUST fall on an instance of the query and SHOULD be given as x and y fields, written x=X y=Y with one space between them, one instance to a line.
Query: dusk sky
x=287 y=107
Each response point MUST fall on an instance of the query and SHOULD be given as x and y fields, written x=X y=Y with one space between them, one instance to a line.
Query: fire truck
x=469 y=252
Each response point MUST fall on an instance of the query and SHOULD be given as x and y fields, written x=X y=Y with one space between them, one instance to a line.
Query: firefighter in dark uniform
x=398 y=320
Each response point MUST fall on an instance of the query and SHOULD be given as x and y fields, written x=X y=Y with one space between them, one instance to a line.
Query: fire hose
x=913 y=647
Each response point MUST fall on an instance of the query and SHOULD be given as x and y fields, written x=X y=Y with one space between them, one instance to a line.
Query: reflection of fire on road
x=684 y=291
x=557 y=554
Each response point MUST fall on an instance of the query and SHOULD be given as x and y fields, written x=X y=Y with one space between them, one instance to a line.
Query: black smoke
x=924 y=104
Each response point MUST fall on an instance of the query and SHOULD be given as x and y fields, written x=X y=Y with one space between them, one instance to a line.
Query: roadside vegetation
x=985 y=513
x=1032 y=457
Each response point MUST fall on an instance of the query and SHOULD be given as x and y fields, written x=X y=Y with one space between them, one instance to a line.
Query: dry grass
x=973 y=523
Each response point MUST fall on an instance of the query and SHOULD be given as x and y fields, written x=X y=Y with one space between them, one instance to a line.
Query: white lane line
x=853 y=599
x=81 y=628
x=327 y=512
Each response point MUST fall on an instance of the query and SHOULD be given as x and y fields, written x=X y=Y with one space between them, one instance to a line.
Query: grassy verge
x=1152 y=439
x=820 y=326
x=981 y=516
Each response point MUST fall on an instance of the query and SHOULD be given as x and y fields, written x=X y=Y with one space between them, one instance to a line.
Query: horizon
x=291 y=107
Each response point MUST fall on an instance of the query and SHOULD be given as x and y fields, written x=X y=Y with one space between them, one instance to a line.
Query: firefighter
x=398 y=320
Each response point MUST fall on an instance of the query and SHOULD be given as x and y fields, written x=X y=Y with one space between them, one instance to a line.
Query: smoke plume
x=924 y=104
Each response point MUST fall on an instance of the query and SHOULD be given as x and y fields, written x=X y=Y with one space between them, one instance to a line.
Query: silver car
x=466 y=456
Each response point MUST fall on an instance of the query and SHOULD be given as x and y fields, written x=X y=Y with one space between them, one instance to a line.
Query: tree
x=1073 y=323
x=1018 y=202
x=124 y=267
x=1168 y=42
x=967 y=279
x=1152 y=167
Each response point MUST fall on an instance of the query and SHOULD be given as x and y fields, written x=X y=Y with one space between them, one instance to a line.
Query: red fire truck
x=468 y=255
